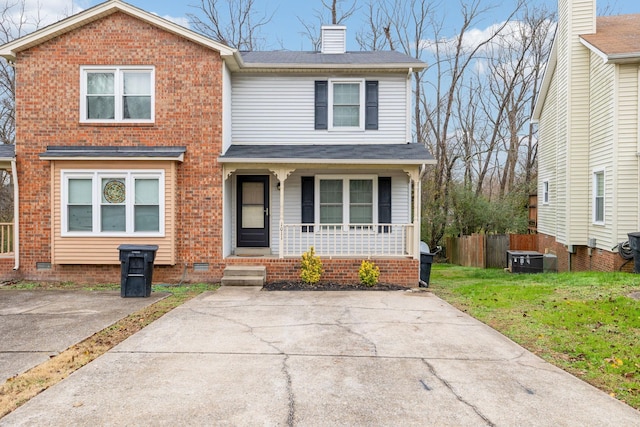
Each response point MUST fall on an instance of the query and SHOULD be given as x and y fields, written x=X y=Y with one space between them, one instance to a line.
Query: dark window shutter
x=384 y=204
x=308 y=197
x=371 y=105
x=322 y=105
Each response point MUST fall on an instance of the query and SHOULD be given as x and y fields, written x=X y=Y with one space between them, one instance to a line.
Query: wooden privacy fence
x=487 y=250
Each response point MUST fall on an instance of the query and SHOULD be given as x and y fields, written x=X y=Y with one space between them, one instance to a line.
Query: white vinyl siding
x=280 y=110
x=602 y=150
x=627 y=189
x=547 y=154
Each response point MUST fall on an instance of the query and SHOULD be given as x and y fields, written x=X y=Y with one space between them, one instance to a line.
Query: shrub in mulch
x=328 y=286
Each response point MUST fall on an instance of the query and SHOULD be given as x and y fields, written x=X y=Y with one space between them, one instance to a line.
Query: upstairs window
x=118 y=94
x=349 y=104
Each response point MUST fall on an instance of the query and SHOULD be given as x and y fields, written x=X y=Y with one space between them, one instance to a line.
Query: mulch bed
x=328 y=286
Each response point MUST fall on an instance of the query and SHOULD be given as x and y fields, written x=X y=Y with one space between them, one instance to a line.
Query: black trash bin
x=634 y=244
x=426 y=259
x=136 y=269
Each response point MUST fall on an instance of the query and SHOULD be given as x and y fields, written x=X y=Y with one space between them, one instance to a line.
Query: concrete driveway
x=35 y=325
x=245 y=357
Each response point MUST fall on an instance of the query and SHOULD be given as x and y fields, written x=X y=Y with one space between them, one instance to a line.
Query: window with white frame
x=346 y=104
x=113 y=203
x=598 y=197
x=545 y=192
x=346 y=200
x=117 y=94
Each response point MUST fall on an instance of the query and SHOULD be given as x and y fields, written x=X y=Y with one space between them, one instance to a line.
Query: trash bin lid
x=424 y=248
x=138 y=248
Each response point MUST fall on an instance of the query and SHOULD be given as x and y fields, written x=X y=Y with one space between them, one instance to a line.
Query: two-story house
x=587 y=110
x=132 y=129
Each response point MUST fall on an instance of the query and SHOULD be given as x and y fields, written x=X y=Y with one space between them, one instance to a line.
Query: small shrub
x=369 y=273
x=310 y=267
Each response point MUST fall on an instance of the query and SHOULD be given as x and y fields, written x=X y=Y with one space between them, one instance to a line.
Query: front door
x=253 y=211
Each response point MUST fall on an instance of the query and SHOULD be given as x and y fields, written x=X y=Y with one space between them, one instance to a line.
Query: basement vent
x=200 y=266
x=43 y=266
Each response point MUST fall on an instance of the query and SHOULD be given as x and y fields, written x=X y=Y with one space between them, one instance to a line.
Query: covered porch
x=347 y=201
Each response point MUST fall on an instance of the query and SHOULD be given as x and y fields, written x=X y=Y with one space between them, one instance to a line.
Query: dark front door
x=253 y=211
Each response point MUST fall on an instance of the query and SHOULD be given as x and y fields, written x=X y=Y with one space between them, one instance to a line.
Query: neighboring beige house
x=587 y=110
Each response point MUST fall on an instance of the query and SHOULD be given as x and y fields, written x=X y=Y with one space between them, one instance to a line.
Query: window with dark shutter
x=371 y=105
x=308 y=197
x=384 y=204
x=321 y=105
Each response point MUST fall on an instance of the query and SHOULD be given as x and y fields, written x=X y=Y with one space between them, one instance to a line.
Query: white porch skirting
x=389 y=240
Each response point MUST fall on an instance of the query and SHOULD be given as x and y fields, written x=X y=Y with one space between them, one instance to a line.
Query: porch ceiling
x=369 y=154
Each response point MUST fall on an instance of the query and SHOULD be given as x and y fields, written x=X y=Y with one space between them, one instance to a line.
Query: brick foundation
x=583 y=259
x=399 y=271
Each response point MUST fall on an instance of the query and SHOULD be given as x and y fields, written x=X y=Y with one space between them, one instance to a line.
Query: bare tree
x=334 y=12
x=15 y=21
x=235 y=23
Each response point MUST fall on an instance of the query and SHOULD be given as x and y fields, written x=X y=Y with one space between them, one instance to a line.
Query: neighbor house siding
x=602 y=145
x=280 y=109
x=626 y=167
x=547 y=169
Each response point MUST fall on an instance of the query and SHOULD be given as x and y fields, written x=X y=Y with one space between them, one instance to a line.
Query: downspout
x=16 y=217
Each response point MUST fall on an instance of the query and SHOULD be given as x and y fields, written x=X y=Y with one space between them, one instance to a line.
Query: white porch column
x=414 y=175
x=281 y=174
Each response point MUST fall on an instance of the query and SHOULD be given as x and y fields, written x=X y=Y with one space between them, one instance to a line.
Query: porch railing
x=6 y=238
x=349 y=240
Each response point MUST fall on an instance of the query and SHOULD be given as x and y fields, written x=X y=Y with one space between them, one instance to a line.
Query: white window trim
x=358 y=128
x=96 y=176
x=594 y=179
x=119 y=82
x=546 y=197
x=346 y=196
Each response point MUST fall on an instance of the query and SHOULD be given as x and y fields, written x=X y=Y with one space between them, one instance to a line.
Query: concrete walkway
x=242 y=357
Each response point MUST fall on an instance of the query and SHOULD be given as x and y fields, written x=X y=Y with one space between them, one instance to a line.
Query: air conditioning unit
x=525 y=261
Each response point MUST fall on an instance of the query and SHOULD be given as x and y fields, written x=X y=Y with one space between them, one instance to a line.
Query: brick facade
x=188 y=102
x=583 y=259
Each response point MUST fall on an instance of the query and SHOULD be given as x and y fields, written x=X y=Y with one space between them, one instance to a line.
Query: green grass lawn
x=586 y=323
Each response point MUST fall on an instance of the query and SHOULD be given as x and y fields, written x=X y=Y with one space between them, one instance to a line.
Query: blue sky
x=285 y=30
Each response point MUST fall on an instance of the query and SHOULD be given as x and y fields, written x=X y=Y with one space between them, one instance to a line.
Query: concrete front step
x=243 y=281
x=244 y=275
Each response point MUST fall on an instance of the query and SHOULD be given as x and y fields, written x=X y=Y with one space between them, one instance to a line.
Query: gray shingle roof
x=120 y=152
x=408 y=154
x=7 y=151
x=293 y=58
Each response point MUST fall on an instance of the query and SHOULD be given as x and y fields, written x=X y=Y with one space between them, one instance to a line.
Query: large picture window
x=113 y=203
x=117 y=94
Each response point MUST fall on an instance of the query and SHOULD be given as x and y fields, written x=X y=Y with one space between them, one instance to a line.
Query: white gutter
x=16 y=217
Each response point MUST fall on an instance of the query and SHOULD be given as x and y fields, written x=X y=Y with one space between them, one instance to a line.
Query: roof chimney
x=334 y=39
